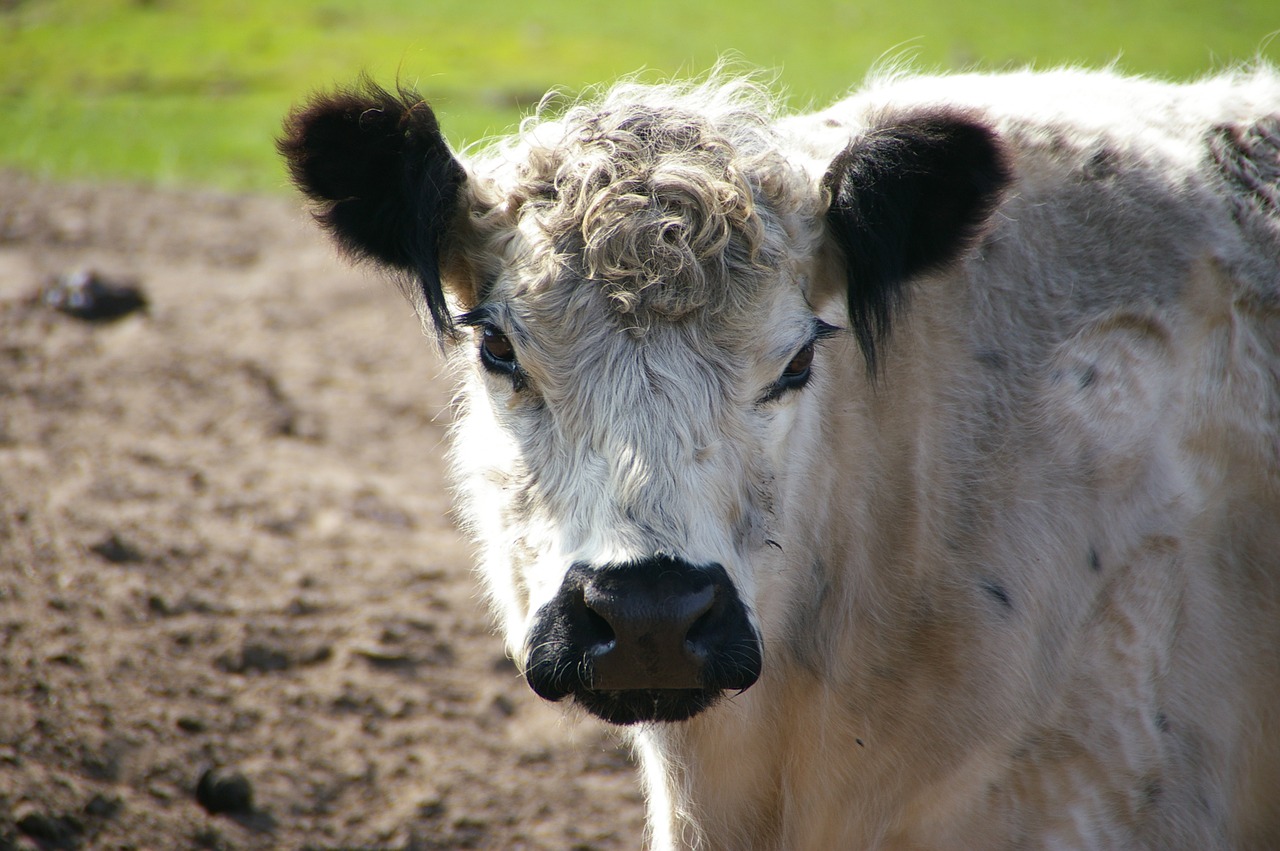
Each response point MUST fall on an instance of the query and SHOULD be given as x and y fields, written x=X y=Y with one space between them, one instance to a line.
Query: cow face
x=621 y=470
x=643 y=300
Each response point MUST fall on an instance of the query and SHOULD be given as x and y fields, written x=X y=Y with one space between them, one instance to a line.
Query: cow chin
x=646 y=705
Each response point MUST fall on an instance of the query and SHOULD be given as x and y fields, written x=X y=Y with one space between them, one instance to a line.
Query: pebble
x=51 y=831
x=88 y=295
x=224 y=790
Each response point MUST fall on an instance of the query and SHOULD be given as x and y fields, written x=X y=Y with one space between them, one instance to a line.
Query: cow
x=903 y=475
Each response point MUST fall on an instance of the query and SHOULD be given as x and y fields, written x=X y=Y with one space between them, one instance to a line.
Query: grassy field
x=192 y=91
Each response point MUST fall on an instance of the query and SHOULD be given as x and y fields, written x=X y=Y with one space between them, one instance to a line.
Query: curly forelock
x=655 y=192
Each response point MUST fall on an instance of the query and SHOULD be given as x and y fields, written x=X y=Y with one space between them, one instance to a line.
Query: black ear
x=907 y=198
x=387 y=185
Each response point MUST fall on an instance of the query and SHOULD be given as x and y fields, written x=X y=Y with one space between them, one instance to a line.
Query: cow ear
x=908 y=197
x=387 y=186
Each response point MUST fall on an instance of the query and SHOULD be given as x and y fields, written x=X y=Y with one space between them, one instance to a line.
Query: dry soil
x=226 y=553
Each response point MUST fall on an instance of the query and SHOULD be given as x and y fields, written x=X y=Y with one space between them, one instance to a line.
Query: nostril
x=599 y=635
x=701 y=627
x=709 y=630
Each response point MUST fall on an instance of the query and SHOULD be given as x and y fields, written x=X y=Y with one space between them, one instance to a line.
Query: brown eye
x=496 y=348
x=795 y=376
x=798 y=368
x=498 y=356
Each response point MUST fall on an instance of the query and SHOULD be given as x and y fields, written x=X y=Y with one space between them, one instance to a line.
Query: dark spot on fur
x=860 y=744
x=993 y=359
x=1088 y=377
x=1151 y=792
x=1103 y=164
x=832 y=122
x=1057 y=140
x=1162 y=722
x=1095 y=561
x=997 y=592
x=803 y=636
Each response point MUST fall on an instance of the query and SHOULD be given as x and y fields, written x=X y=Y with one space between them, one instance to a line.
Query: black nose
x=652 y=625
x=648 y=613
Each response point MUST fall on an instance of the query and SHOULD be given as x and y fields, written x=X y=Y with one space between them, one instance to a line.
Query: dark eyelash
x=823 y=330
x=475 y=318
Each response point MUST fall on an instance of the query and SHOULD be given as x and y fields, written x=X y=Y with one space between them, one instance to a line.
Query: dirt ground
x=226 y=553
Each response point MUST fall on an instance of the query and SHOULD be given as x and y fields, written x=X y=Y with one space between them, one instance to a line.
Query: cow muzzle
x=656 y=639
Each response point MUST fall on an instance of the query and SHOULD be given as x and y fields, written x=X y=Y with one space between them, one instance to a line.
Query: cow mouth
x=639 y=706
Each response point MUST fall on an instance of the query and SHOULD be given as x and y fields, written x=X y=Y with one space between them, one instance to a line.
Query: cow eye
x=798 y=368
x=794 y=376
x=496 y=352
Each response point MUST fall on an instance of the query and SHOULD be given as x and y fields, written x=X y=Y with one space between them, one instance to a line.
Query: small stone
x=272 y=656
x=432 y=808
x=385 y=660
x=88 y=295
x=103 y=806
x=262 y=657
x=116 y=550
x=188 y=724
x=51 y=831
x=224 y=790
x=503 y=705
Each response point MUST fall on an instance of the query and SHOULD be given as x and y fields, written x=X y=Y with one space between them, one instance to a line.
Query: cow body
x=905 y=475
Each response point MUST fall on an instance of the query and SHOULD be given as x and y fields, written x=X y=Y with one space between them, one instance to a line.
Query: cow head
x=644 y=300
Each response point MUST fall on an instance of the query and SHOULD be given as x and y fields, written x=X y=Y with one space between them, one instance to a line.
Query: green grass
x=192 y=91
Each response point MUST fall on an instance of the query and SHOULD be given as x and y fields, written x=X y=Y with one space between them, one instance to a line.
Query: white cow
x=905 y=475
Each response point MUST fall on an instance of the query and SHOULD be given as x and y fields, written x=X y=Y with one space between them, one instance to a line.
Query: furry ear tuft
x=908 y=198
x=385 y=182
